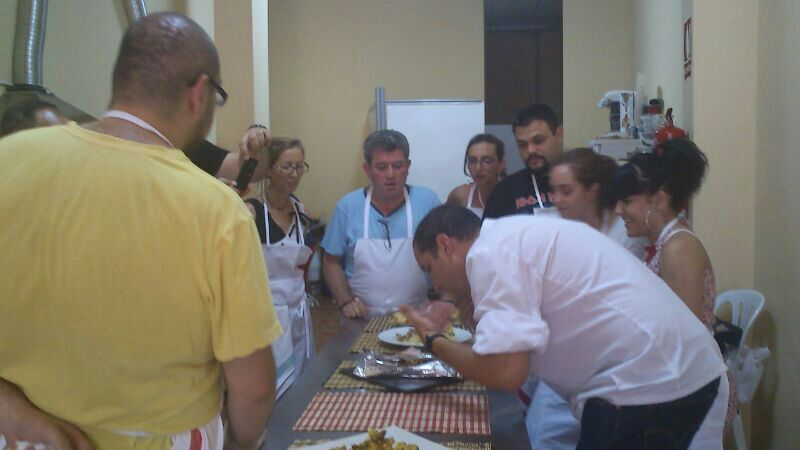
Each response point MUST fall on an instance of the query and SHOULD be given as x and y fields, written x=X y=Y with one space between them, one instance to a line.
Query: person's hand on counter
x=354 y=309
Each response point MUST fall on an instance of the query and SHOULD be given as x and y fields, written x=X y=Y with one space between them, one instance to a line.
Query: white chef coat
x=597 y=321
x=549 y=420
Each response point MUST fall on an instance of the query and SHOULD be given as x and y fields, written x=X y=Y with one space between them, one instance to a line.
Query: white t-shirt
x=598 y=322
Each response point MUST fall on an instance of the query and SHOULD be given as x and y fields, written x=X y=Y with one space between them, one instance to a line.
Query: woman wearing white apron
x=386 y=274
x=483 y=163
x=281 y=230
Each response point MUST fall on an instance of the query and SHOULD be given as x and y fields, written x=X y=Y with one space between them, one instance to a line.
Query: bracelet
x=256 y=125
x=341 y=307
x=428 y=347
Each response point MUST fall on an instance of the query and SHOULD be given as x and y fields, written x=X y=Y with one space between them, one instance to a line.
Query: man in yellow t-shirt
x=132 y=282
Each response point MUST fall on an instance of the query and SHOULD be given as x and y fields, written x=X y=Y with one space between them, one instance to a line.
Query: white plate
x=390 y=336
x=399 y=435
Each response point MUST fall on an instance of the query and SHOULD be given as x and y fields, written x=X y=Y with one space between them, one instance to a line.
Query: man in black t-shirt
x=224 y=164
x=540 y=143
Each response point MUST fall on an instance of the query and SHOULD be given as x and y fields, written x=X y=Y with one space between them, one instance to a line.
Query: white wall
x=724 y=104
x=8 y=16
x=658 y=52
x=777 y=221
x=326 y=58
x=260 y=10
x=598 y=57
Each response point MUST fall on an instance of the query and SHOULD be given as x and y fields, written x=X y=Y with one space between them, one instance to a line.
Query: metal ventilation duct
x=27 y=63
x=29 y=42
x=134 y=9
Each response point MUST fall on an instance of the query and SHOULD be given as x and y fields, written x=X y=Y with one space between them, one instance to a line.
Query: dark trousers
x=661 y=426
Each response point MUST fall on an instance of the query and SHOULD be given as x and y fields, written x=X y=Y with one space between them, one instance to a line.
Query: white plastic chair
x=746 y=305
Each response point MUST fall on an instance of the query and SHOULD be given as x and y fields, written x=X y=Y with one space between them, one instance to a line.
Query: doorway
x=523 y=63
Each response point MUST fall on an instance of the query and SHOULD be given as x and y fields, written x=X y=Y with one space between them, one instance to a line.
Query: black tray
x=401 y=384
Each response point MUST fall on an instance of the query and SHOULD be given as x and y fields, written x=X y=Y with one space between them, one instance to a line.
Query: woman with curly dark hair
x=654 y=190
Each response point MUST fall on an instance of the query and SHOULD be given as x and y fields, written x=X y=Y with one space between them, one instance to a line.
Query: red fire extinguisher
x=670 y=131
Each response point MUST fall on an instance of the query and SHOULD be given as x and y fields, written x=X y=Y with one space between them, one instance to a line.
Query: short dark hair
x=499 y=147
x=384 y=140
x=536 y=111
x=22 y=116
x=590 y=167
x=677 y=166
x=161 y=55
x=451 y=220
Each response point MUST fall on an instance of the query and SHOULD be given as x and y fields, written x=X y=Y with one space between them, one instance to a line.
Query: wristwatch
x=429 y=338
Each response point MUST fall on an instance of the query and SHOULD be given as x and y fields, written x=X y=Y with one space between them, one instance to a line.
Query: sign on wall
x=687 y=48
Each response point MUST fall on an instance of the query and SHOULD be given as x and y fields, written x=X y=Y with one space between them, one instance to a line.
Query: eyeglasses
x=221 y=95
x=287 y=169
x=486 y=161
x=388 y=243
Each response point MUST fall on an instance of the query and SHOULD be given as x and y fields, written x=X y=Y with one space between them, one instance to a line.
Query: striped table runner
x=453 y=445
x=454 y=413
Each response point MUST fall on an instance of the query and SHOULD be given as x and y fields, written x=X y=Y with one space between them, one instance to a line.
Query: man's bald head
x=160 y=56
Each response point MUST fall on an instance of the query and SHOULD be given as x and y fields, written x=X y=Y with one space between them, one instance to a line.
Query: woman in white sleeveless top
x=484 y=165
x=654 y=191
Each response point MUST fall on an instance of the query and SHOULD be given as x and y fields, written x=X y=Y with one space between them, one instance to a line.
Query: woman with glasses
x=484 y=165
x=281 y=221
x=654 y=190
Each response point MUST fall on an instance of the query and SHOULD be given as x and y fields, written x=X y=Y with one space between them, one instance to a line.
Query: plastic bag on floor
x=747 y=369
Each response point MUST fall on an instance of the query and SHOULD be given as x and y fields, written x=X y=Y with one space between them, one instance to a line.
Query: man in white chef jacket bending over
x=369 y=263
x=562 y=301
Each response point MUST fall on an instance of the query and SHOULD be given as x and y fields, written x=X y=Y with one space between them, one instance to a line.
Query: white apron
x=289 y=297
x=387 y=276
x=477 y=210
x=550 y=211
x=128 y=117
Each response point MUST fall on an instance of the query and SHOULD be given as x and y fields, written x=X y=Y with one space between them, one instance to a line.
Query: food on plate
x=399 y=318
x=411 y=337
x=378 y=441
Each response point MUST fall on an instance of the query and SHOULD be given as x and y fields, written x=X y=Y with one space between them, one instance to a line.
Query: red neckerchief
x=651 y=252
